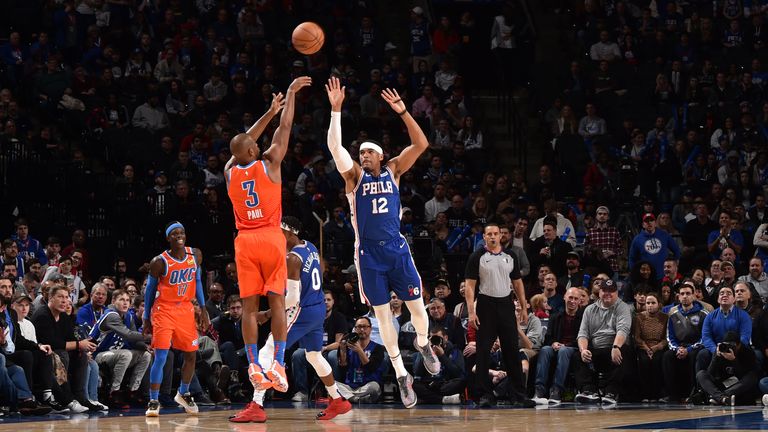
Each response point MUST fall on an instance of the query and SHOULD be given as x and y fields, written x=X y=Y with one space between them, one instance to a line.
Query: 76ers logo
x=652 y=246
x=414 y=291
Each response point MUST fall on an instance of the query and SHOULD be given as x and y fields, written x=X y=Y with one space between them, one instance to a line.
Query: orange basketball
x=308 y=38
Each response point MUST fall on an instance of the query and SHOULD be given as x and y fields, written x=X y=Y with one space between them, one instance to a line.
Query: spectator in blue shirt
x=364 y=362
x=719 y=322
x=652 y=245
x=28 y=247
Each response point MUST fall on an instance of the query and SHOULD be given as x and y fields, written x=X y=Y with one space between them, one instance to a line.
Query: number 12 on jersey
x=379 y=205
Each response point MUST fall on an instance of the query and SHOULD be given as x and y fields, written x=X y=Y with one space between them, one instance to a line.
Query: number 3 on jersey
x=250 y=188
x=379 y=205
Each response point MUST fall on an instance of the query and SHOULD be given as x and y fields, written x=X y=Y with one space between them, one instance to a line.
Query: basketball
x=308 y=38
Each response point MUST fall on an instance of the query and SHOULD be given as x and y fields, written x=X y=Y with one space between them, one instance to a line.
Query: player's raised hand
x=335 y=93
x=299 y=83
x=394 y=100
x=278 y=102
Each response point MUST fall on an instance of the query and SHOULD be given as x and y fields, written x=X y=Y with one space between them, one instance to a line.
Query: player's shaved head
x=240 y=146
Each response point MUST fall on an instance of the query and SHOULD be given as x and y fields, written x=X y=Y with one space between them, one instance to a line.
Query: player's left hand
x=278 y=102
x=393 y=99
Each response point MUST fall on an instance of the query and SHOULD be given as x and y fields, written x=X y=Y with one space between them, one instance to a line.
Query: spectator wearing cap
x=442 y=290
x=652 y=245
x=605 y=328
x=421 y=45
x=729 y=273
x=315 y=171
x=684 y=328
x=574 y=276
x=549 y=249
x=725 y=237
x=437 y=204
x=720 y=321
x=603 y=240
x=564 y=225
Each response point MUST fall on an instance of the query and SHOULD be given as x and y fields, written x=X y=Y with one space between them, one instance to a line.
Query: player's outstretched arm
x=419 y=143
x=344 y=162
x=255 y=131
x=279 y=147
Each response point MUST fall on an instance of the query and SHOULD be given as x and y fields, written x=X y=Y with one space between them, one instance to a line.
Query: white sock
x=333 y=391
x=258 y=396
x=397 y=363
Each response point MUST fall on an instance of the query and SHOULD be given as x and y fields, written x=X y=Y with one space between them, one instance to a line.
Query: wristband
x=616 y=346
x=403 y=112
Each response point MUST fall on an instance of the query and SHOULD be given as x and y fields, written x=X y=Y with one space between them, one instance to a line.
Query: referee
x=492 y=272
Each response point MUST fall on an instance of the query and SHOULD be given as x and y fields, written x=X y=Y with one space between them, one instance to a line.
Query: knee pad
x=319 y=363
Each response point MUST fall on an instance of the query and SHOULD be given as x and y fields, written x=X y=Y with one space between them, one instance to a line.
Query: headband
x=173 y=227
x=372 y=146
x=289 y=228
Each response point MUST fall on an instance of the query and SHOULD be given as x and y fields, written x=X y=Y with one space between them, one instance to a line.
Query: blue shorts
x=387 y=266
x=307 y=328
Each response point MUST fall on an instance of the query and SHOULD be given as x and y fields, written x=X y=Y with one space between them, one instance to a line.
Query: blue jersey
x=110 y=340
x=375 y=207
x=311 y=278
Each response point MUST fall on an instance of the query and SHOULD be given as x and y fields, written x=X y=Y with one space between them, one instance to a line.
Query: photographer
x=720 y=321
x=447 y=386
x=364 y=361
x=733 y=374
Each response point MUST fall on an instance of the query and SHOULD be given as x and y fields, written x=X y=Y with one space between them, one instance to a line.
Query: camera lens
x=436 y=340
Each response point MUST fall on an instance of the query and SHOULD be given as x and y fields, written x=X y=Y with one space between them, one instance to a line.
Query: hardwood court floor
x=300 y=418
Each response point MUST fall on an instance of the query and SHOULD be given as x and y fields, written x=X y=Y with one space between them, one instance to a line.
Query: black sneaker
x=540 y=397
x=223 y=379
x=55 y=406
x=486 y=401
x=555 y=396
x=587 y=397
x=524 y=403
x=610 y=399
x=32 y=408
x=153 y=409
x=201 y=399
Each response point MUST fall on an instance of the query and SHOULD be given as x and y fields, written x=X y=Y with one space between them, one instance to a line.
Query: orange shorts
x=260 y=258
x=173 y=325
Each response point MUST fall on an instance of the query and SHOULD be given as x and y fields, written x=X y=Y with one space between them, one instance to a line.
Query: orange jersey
x=179 y=282
x=256 y=200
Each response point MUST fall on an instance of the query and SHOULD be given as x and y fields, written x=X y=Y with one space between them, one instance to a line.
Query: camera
x=436 y=340
x=726 y=347
x=351 y=337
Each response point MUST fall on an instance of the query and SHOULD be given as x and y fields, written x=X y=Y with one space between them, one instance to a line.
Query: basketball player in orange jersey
x=254 y=187
x=174 y=280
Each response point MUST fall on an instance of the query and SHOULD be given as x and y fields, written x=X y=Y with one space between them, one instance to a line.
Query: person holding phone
x=732 y=376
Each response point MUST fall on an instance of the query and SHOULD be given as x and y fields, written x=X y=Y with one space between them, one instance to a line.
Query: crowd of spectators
x=641 y=239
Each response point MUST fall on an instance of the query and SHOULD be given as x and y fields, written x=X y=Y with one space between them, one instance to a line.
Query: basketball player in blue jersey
x=382 y=256
x=305 y=306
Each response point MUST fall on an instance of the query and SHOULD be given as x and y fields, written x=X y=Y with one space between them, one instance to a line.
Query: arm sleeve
x=199 y=292
x=292 y=293
x=340 y=155
x=149 y=296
